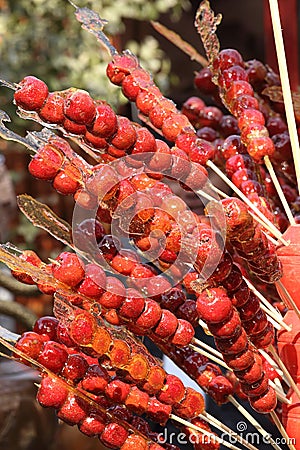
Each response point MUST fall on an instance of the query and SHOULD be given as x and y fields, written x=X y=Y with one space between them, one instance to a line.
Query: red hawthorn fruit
x=52 y=110
x=150 y=315
x=135 y=442
x=125 y=136
x=82 y=328
x=92 y=425
x=167 y=325
x=80 y=107
x=214 y=305
x=73 y=410
x=69 y=269
x=117 y=391
x=94 y=282
x=192 y=405
x=174 y=125
x=46 y=163
x=133 y=305
x=173 y=390
x=46 y=325
x=31 y=344
x=137 y=400
x=184 y=333
x=113 y=435
x=121 y=66
x=53 y=356
x=74 y=128
x=75 y=367
x=67 y=180
x=105 y=123
x=31 y=93
x=52 y=393
x=95 y=379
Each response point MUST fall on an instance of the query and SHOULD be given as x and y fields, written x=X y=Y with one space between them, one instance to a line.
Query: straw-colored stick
x=221 y=426
x=267 y=223
x=205 y=432
x=286 y=88
x=290 y=303
x=209 y=355
x=285 y=371
x=282 y=431
x=253 y=422
x=279 y=190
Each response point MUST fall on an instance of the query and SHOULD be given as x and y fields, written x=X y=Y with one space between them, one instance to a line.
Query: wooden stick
x=289 y=301
x=281 y=429
x=285 y=83
x=279 y=190
x=209 y=356
x=285 y=371
x=208 y=347
x=267 y=223
x=280 y=395
x=176 y=39
x=272 y=363
x=221 y=426
x=253 y=421
x=205 y=432
x=266 y=306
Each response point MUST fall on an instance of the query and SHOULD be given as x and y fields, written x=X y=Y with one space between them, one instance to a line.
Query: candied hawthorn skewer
x=216 y=309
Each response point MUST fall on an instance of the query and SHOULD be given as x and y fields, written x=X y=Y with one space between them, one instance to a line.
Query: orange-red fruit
x=73 y=410
x=105 y=123
x=69 y=269
x=82 y=328
x=31 y=344
x=184 y=333
x=31 y=93
x=125 y=136
x=53 y=356
x=52 y=110
x=214 y=305
x=52 y=393
x=80 y=107
x=192 y=405
x=173 y=390
x=121 y=66
x=167 y=325
x=95 y=379
x=46 y=163
x=92 y=425
x=113 y=435
x=67 y=180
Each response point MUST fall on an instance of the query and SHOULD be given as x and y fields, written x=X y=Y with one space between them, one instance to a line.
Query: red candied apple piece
x=94 y=282
x=159 y=412
x=82 y=328
x=213 y=305
x=150 y=315
x=68 y=269
x=155 y=380
x=52 y=393
x=184 y=333
x=137 y=400
x=80 y=107
x=46 y=325
x=117 y=391
x=173 y=390
x=167 y=325
x=46 y=162
x=73 y=410
x=191 y=406
x=265 y=403
x=52 y=110
x=92 y=425
x=75 y=367
x=113 y=435
x=101 y=341
x=119 y=353
x=135 y=442
x=31 y=93
x=95 y=379
x=53 y=356
x=138 y=367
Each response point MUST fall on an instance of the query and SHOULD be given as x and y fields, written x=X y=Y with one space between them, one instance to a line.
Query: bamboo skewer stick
x=279 y=190
x=206 y=433
x=253 y=422
x=285 y=371
x=209 y=356
x=268 y=308
x=289 y=301
x=286 y=88
x=281 y=429
x=267 y=223
x=217 y=424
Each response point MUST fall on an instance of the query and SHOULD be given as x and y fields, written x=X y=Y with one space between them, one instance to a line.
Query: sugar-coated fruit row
x=229 y=276
x=223 y=321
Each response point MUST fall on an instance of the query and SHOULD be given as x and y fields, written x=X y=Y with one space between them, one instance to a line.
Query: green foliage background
x=43 y=38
